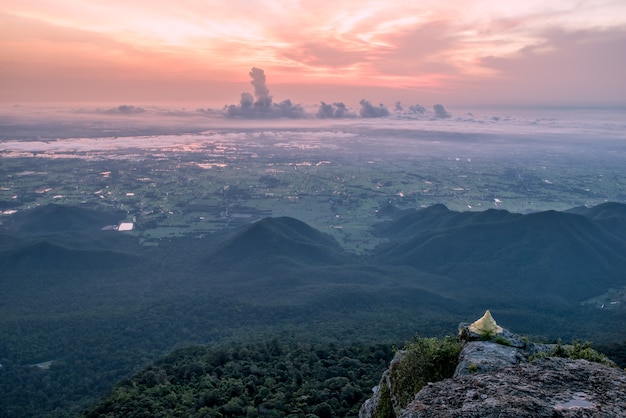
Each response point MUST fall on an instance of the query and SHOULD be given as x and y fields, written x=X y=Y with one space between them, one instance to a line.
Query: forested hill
x=558 y=256
x=274 y=241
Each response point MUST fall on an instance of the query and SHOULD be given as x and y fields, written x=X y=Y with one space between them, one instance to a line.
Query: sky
x=480 y=52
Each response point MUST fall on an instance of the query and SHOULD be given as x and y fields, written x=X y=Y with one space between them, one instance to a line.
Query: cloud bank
x=260 y=105
x=333 y=111
x=125 y=110
x=369 y=111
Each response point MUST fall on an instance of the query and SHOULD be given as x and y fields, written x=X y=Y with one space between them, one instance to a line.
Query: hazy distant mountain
x=43 y=255
x=65 y=237
x=273 y=241
x=609 y=210
x=610 y=215
x=437 y=217
x=547 y=255
x=54 y=219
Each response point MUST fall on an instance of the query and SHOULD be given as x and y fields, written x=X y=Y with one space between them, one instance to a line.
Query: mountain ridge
x=559 y=248
x=55 y=218
x=46 y=254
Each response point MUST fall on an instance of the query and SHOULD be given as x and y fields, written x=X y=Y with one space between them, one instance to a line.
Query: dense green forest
x=273 y=379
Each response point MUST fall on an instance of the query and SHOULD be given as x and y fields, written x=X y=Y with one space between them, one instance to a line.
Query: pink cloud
x=451 y=51
x=579 y=66
x=420 y=50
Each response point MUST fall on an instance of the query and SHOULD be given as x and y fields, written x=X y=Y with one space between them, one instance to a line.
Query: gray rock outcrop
x=495 y=377
x=549 y=387
x=484 y=356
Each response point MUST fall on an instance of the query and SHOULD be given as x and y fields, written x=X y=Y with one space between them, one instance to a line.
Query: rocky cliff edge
x=500 y=374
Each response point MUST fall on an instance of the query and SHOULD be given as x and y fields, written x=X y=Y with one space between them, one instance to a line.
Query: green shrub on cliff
x=423 y=360
x=576 y=351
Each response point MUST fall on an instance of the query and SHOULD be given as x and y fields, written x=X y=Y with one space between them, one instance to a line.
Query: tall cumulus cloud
x=261 y=106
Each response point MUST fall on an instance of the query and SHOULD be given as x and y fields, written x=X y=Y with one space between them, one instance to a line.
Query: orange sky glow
x=195 y=51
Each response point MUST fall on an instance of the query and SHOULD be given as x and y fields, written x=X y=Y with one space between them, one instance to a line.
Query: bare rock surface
x=550 y=387
x=495 y=377
x=483 y=356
